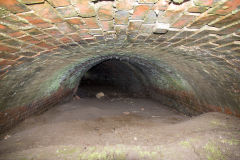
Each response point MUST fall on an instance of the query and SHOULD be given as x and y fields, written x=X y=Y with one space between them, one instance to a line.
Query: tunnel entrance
x=114 y=78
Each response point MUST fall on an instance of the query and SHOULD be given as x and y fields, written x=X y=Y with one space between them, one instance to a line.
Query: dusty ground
x=122 y=128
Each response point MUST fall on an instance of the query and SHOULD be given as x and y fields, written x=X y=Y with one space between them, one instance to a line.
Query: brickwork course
x=189 y=50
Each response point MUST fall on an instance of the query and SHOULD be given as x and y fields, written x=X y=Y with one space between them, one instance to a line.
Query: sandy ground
x=122 y=128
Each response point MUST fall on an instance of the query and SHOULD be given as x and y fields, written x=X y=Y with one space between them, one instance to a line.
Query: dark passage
x=113 y=78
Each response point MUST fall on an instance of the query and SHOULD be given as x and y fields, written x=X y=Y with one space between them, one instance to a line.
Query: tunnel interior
x=120 y=79
x=114 y=78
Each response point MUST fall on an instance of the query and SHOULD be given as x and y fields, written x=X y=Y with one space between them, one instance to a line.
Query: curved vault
x=187 y=53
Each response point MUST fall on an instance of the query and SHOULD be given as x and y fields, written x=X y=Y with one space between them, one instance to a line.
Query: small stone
x=160 y=28
x=100 y=95
x=126 y=113
x=7 y=136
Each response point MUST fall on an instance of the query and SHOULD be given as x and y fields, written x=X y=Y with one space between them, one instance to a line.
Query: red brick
x=91 y=22
x=29 y=39
x=230 y=29
x=75 y=37
x=183 y=21
x=203 y=20
x=85 y=8
x=59 y=3
x=105 y=10
x=161 y=5
x=45 y=45
x=121 y=17
x=107 y=25
x=224 y=21
x=65 y=40
x=16 y=34
x=228 y=110
x=46 y=11
x=4 y=63
x=140 y=11
x=54 y=32
x=226 y=8
x=67 y=12
x=77 y=21
x=65 y=27
x=13 y=6
x=125 y=4
x=8 y=49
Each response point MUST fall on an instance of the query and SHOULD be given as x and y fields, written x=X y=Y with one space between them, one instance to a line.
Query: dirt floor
x=122 y=128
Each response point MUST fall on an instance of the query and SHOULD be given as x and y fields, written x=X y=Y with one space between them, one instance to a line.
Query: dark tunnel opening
x=114 y=78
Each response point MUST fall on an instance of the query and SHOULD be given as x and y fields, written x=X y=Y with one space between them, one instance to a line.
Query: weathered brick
x=12 y=42
x=203 y=20
x=205 y=39
x=13 y=6
x=45 y=45
x=59 y=3
x=228 y=39
x=140 y=11
x=4 y=63
x=125 y=4
x=91 y=22
x=226 y=7
x=203 y=33
x=77 y=22
x=150 y=17
x=14 y=20
x=146 y=28
x=65 y=40
x=34 y=31
x=8 y=49
x=230 y=29
x=75 y=37
x=107 y=25
x=120 y=29
x=31 y=1
x=85 y=8
x=161 y=5
x=46 y=11
x=229 y=46
x=105 y=10
x=67 y=12
x=96 y=31
x=208 y=46
x=16 y=34
x=183 y=21
x=121 y=17
x=54 y=32
x=134 y=25
x=207 y=3
x=224 y=21
x=65 y=27
x=29 y=39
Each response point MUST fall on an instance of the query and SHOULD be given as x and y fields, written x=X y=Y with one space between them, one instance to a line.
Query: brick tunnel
x=167 y=72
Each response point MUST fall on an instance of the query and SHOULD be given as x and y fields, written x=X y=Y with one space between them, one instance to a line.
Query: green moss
x=230 y=141
x=185 y=144
x=213 y=152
